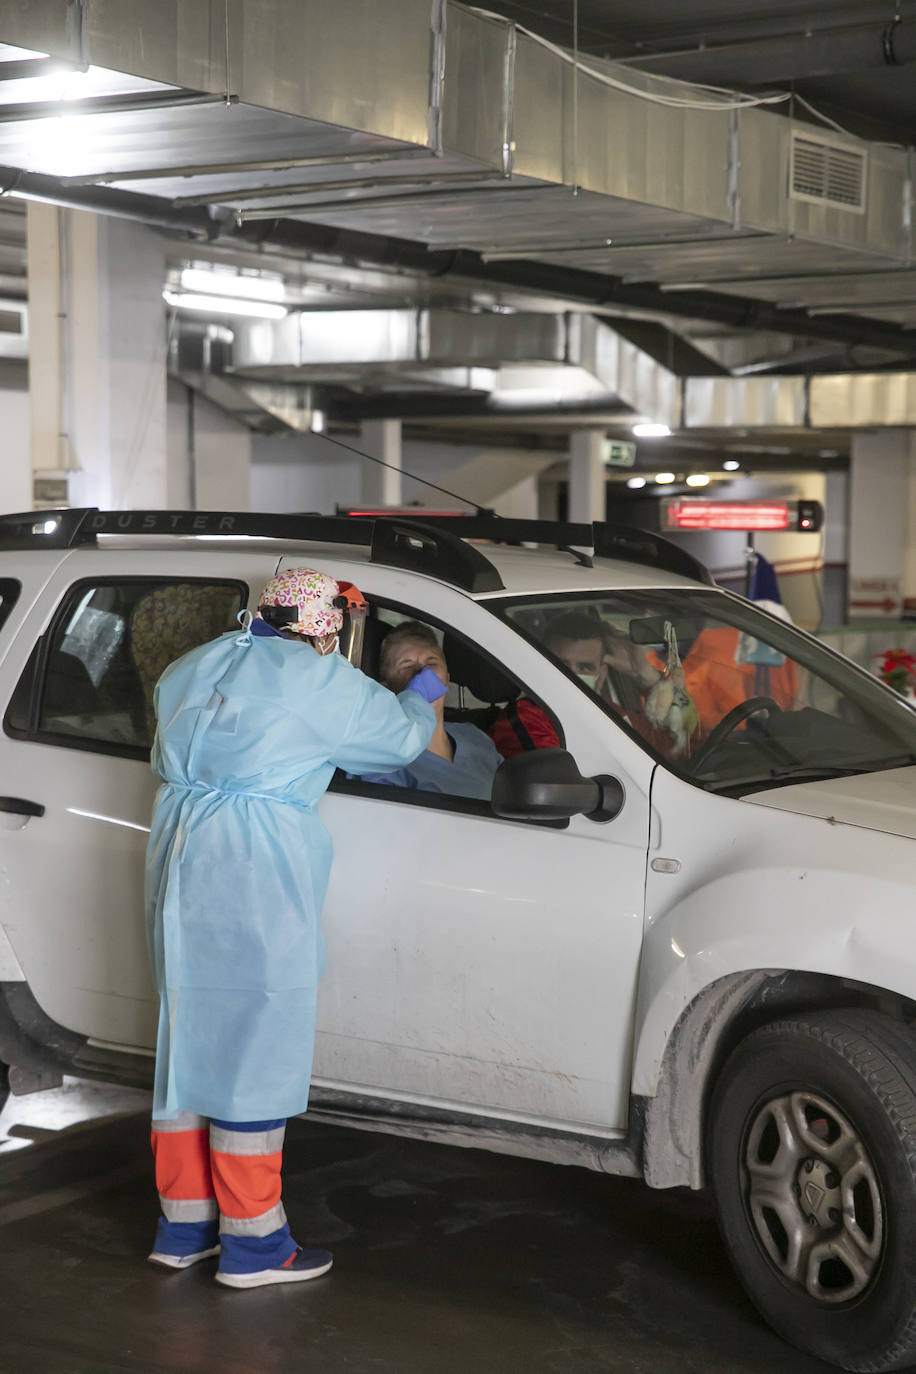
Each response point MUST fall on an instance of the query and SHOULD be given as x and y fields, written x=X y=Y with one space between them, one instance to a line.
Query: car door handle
x=20 y=807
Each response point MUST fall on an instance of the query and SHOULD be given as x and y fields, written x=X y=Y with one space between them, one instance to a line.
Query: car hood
x=883 y=801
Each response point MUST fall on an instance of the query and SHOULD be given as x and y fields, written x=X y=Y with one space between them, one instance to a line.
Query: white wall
x=308 y=472
x=301 y=472
x=209 y=455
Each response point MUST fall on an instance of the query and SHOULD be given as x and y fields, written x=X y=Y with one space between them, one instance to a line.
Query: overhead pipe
x=151 y=210
x=593 y=289
x=764 y=61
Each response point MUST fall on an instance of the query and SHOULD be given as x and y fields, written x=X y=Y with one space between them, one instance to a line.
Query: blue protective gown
x=250 y=730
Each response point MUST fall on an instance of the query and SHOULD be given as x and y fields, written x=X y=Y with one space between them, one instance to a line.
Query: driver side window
x=483 y=717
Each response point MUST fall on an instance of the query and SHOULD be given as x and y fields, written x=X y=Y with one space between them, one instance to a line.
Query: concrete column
x=98 y=357
x=909 y=562
x=882 y=547
x=49 y=453
x=16 y=491
x=587 y=476
x=381 y=486
x=836 y=548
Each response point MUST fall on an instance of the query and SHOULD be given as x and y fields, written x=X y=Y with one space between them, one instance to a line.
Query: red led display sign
x=414 y=512
x=727 y=515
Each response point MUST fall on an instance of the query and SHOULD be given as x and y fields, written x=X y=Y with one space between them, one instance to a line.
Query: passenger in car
x=250 y=729
x=459 y=760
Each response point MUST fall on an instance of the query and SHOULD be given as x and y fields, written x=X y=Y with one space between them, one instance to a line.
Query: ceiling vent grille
x=827 y=173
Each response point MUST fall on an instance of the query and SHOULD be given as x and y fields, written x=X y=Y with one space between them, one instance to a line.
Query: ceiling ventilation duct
x=536 y=364
x=427 y=121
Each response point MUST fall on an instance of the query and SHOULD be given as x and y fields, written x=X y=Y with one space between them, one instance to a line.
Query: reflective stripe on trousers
x=228 y=1169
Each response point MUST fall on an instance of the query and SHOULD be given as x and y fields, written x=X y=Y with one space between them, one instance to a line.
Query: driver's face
x=584 y=657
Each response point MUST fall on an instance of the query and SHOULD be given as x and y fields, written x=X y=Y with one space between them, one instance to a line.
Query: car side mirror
x=545 y=784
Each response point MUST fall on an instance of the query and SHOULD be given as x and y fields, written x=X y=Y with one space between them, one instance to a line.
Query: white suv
x=687 y=961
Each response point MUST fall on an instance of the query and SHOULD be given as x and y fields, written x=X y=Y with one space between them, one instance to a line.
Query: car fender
x=793 y=893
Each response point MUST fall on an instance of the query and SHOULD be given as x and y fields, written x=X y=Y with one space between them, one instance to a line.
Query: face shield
x=354 y=606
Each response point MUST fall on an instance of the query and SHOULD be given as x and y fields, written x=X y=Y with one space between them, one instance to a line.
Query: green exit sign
x=619 y=453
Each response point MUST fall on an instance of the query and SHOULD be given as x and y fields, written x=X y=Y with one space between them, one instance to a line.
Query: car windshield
x=729 y=696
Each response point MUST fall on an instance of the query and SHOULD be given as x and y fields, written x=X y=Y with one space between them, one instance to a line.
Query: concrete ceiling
x=744 y=44
x=328 y=146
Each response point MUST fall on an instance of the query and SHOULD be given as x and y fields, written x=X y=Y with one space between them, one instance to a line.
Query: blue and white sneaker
x=304 y=1264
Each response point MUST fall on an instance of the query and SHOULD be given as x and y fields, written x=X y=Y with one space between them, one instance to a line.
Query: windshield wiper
x=807 y=772
x=817 y=770
x=813 y=772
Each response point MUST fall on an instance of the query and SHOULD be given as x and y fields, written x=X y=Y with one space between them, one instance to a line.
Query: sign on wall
x=875 y=597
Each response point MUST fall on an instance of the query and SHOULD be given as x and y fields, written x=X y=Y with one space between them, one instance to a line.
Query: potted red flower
x=898 y=669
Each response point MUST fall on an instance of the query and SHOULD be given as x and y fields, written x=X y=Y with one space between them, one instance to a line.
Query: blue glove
x=428 y=685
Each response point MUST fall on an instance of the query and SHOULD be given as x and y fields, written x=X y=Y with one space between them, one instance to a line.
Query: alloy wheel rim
x=813 y=1196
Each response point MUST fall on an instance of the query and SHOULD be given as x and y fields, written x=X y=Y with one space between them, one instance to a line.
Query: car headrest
x=469 y=669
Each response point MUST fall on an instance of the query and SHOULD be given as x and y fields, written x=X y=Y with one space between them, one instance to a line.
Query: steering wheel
x=730 y=721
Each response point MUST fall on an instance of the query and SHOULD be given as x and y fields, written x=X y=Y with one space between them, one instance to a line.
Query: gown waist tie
x=200 y=789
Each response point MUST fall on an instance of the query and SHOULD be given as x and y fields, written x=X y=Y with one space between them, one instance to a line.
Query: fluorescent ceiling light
x=224 y=305
x=651 y=431
x=199 y=279
x=698 y=479
x=731 y=465
x=636 y=482
x=664 y=479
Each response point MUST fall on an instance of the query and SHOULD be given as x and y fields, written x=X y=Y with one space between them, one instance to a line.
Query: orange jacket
x=717 y=683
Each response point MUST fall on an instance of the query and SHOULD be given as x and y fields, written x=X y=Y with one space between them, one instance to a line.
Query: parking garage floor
x=446 y=1261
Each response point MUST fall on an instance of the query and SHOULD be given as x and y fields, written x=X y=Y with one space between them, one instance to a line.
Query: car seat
x=485 y=681
x=68 y=689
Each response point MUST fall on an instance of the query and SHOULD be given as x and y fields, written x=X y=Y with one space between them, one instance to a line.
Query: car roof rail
x=623 y=542
x=434 y=545
x=433 y=549
x=399 y=543
x=634 y=545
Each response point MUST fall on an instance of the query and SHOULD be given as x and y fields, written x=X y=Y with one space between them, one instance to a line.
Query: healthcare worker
x=250 y=729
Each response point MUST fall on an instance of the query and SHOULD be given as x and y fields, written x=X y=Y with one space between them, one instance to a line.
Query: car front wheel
x=812 y=1154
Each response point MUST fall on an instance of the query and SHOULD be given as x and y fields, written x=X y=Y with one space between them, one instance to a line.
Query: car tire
x=811 y=1151
x=4 y=1084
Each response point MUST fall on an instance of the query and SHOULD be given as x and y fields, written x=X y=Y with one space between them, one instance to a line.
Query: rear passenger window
x=9 y=595
x=90 y=682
